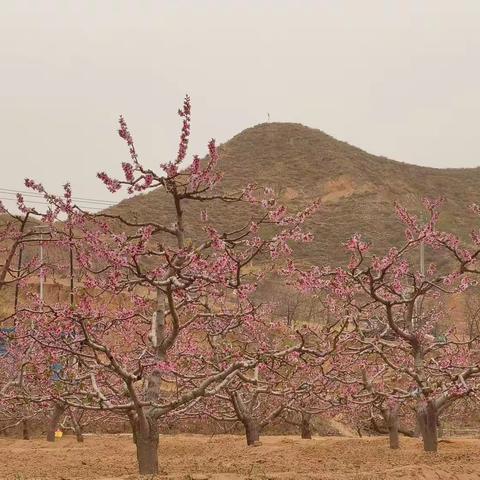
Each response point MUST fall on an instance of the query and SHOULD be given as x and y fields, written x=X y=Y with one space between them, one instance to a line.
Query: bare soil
x=190 y=457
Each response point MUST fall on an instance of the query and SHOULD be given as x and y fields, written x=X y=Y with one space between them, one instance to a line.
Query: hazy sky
x=399 y=78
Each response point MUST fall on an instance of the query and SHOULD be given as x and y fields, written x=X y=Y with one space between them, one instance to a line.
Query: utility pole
x=422 y=258
x=17 y=284
x=41 y=268
x=42 y=280
x=70 y=236
x=417 y=311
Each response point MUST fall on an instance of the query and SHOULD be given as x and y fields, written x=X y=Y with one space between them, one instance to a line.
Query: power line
x=36 y=195
x=9 y=191
x=46 y=204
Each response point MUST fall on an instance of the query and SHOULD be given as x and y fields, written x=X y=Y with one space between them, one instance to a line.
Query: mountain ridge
x=357 y=189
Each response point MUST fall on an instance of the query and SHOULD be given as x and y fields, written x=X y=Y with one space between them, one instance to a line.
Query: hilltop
x=357 y=189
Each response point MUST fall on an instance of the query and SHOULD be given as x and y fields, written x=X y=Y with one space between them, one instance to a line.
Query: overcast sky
x=400 y=78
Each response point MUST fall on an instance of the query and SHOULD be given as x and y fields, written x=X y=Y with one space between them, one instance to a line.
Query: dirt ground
x=197 y=457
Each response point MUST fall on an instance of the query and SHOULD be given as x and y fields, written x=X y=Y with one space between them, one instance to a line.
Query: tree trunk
x=25 y=429
x=439 y=427
x=77 y=428
x=58 y=411
x=134 y=434
x=306 y=428
x=252 y=431
x=147 y=448
x=392 y=424
x=79 y=435
x=132 y=419
x=427 y=422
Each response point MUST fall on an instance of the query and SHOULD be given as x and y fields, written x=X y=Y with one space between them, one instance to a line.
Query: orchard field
x=226 y=457
x=166 y=325
x=276 y=278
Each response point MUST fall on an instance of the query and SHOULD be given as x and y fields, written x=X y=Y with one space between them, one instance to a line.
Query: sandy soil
x=227 y=457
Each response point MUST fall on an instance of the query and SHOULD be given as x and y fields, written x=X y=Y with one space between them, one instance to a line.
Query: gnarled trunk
x=145 y=429
x=146 y=440
x=58 y=411
x=306 y=427
x=252 y=431
x=427 y=422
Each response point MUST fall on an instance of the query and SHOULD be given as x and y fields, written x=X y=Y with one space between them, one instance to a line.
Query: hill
x=357 y=189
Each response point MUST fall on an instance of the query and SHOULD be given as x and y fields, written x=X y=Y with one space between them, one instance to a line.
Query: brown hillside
x=357 y=189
